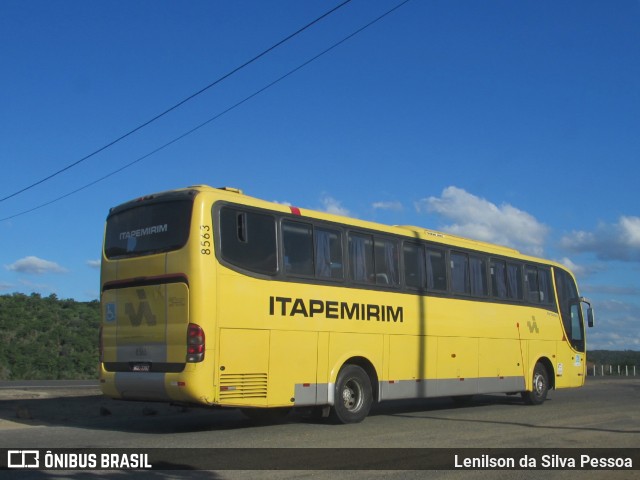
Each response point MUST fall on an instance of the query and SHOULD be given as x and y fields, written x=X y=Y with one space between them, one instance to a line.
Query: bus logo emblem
x=533 y=326
x=143 y=311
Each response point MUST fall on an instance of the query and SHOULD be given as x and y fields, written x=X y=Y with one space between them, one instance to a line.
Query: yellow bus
x=211 y=297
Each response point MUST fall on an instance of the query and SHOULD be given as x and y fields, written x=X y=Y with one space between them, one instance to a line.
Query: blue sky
x=511 y=122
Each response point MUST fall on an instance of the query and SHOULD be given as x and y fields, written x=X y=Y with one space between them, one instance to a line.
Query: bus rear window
x=148 y=228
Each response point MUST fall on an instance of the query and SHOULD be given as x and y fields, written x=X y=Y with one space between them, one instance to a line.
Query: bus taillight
x=195 y=343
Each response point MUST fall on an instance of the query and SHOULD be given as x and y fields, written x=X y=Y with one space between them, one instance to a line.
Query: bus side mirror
x=590 y=317
x=590 y=312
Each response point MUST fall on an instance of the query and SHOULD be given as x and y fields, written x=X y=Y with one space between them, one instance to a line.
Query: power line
x=177 y=105
x=215 y=117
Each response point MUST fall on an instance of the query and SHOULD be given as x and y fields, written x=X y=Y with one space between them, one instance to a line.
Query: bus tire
x=540 y=386
x=353 y=397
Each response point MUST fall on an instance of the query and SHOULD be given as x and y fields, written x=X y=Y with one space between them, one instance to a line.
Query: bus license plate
x=141 y=367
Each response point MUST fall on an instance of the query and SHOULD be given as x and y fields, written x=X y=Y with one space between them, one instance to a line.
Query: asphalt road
x=604 y=413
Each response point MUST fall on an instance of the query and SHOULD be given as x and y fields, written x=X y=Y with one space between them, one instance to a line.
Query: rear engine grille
x=243 y=385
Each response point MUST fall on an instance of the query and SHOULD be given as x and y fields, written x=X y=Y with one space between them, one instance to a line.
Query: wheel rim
x=539 y=384
x=352 y=395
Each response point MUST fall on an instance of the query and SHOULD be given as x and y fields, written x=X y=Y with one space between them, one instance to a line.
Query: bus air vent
x=231 y=189
x=243 y=385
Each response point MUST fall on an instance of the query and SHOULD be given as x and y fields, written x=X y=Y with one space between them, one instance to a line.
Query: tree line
x=614 y=357
x=48 y=338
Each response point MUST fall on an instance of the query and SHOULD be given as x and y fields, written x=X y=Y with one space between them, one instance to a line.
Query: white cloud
x=613 y=334
x=579 y=269
x=567 y=262
x=93 y=263
x=285 y=203
x=619 y=307
x=331 y=205
x=618 y=241
x=35 y=265
x=616 y=326
x=393 y=206
x=5 y=286
x=478 y=218
x=598 y=340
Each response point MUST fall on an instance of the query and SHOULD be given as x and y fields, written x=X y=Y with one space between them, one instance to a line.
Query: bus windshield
x=570 y=309
x=148 y=228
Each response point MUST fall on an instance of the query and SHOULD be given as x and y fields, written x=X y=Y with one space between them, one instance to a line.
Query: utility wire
x=218 y=115
x=179 y=104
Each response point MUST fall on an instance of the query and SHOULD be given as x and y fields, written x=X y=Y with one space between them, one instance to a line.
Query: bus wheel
x=352 y=395
x=540 y=386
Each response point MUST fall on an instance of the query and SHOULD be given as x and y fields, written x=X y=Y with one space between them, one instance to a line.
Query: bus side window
x=460 y=273
x=499 y=278
x=328 y=253
x=544 y=283
x=248 y=240
x=297 y=239
x=436 y=270
x=531 y=281
x=361 y=258
x=386 y=261
x=414 y=266
x=514 y=281
x=576 y=329
x=478 y=276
